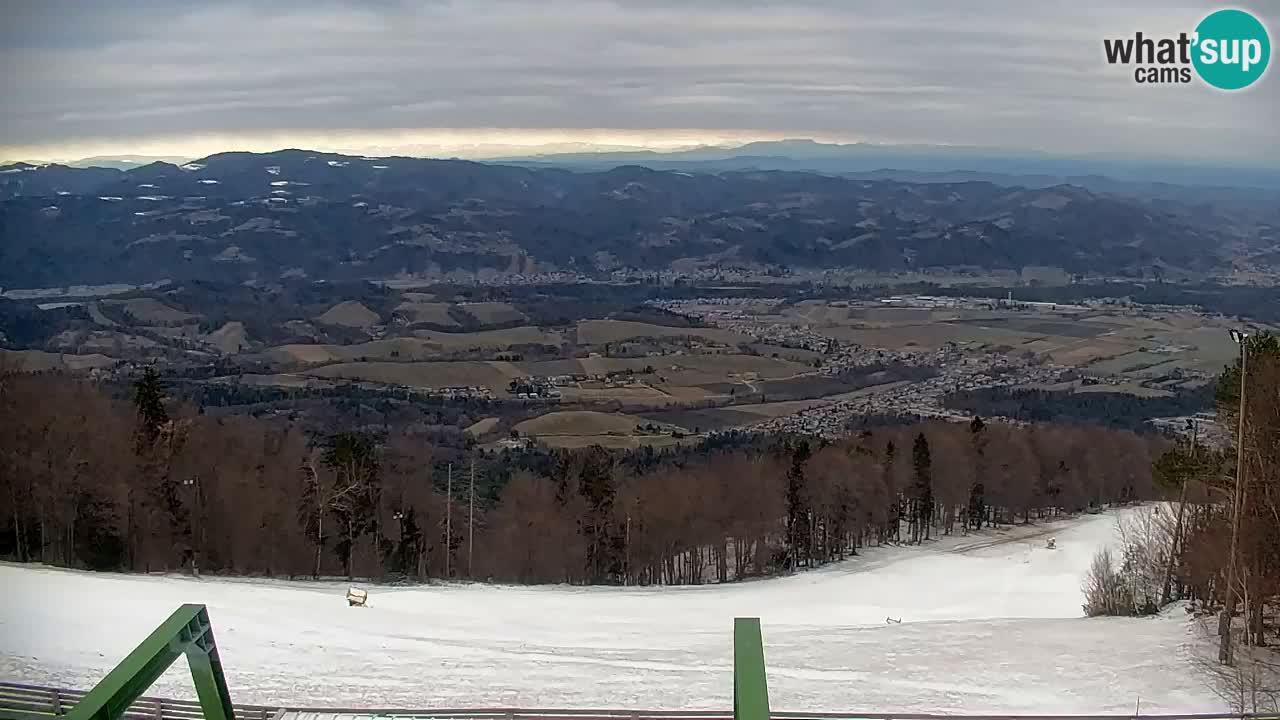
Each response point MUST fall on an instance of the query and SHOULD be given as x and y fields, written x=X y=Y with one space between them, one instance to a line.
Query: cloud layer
x=1004 y=73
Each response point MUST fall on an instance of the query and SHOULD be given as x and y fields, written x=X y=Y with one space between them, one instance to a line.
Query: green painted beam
x=750 y=687
x=187 y=631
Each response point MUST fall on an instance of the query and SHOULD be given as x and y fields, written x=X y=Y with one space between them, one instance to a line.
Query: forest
x=151 y=484
x=1112 y=409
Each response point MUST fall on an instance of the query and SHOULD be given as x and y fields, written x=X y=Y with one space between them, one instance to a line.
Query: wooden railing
x=19 y=701
x=32 y=702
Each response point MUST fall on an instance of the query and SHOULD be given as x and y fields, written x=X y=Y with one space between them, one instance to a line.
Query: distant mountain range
x=1023 y=167
x=127 y=162
x=243 y=216
x=917 y=163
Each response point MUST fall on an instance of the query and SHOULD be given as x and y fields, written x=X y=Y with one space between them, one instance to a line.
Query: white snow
x=279 y=183
x=338 y=163
x=273 y=169
x=193 y=167
x=379 y=167
x=146 y=185
x=110 y=198
x=153 y=198
x=64 y=192
x=208 y=181
x=990 y=623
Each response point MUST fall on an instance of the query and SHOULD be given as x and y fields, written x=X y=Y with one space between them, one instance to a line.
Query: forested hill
x=98 y=482
x=241 y=216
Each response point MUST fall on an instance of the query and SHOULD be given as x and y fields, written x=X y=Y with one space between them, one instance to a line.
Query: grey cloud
x=996 y=73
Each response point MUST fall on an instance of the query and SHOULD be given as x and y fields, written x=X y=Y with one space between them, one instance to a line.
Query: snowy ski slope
x=990 y=623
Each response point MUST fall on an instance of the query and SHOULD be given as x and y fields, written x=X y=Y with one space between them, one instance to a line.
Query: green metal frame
x=750 y=686
x=186 y=632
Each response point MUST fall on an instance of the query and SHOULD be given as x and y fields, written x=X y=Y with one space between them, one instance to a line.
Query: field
x=581 y=428
x=1131 y=388
x=990 y=624
x=423 y=345
x=679 y=369
x=699 y=370
x=482 y=427
x=434 y=313
x=150 y=311
x=228 y=339
x=705 y=420
x=421 y=374
x=286 y=380
x=493 y=313
x=631 y=396
x=721 y=418
x=579 y=422
x=598 y=332
x=351 y=314
x=674 y=381
x=1104 y=342
x=615 y=442
x=491 y=339
x=786 y=353
x=40 y=361
x=116 y=342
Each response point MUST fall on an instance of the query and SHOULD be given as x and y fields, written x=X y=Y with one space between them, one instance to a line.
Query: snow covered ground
x=990 y=623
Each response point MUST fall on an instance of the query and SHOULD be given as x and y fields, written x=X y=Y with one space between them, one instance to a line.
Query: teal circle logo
x=1231 y=49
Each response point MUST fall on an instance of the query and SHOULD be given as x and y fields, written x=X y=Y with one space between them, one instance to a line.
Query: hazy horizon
x=517 y=78
x=497 y=151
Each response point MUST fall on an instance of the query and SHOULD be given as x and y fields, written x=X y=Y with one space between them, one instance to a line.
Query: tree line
x=1112 y=409
x=148 y=484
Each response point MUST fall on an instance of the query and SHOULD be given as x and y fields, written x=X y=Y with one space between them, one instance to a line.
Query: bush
x=1134 y=585
x=1105 y=590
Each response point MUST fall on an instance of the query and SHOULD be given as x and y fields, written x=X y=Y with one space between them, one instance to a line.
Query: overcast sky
x=480 y=77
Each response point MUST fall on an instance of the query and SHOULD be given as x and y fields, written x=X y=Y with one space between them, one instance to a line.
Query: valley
x=650 y=370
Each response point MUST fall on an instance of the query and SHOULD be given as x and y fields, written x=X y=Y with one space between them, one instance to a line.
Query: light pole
x=448 y=522
x=398 y=516
x=1237 y=500
x=197 y=539
x=471 y=518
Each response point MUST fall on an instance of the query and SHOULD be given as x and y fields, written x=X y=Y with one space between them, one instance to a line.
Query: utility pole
x=626 y=573
x=471 y=518
x=1237 y=500
x=448 y=522
x=1167 y=593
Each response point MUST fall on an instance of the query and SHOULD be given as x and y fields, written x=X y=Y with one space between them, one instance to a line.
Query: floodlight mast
x=1225 y=655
